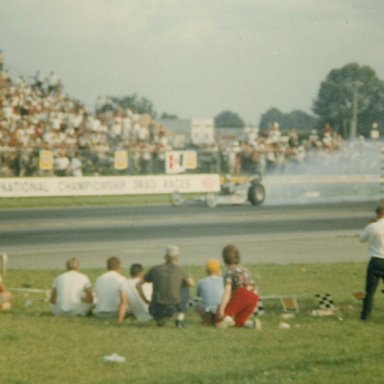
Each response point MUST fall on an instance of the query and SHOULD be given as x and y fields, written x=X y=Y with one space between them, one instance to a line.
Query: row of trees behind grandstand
x=343 y=90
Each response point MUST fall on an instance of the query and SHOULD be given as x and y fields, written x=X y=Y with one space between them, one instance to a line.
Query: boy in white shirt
x=131 y=302
x=71 y=293
x=107 y=290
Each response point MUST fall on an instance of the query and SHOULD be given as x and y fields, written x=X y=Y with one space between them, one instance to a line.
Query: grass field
x=78 y=201
x=37 y=348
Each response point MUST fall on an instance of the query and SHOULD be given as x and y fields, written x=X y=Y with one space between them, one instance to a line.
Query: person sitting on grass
x=239 y=299
x=5 y=296
x=131 y=303
x=170 y=289
x=71 y=293
x=107 y=290
x=210 y=289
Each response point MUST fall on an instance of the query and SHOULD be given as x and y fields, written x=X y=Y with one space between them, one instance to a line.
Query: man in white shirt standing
x=373 y=234
x=62 y=163
x=76 y=165
x=107 y=289
x=71 y=293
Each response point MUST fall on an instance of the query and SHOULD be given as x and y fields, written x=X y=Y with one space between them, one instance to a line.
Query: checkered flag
x=325 y=301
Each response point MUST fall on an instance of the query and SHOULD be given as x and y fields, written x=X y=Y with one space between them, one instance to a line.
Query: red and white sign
x=180 y=161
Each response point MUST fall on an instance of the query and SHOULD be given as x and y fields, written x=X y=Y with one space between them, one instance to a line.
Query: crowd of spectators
x=160 y=293
x=36 y=114
x=270 y=151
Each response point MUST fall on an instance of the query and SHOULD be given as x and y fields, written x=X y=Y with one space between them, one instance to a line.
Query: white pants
x=81 y=310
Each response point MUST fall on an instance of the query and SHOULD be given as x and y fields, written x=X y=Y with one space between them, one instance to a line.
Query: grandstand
x=46 y=132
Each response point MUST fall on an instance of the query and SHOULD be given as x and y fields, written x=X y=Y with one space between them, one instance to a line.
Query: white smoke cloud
x=350 y=174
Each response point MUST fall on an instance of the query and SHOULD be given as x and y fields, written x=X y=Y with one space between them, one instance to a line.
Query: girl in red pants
x=239 y=299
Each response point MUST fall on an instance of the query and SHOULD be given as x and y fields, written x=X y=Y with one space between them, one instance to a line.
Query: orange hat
x=212 y=266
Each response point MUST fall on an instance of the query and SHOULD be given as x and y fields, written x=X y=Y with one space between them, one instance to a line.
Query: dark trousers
x=375 y=272
x=161 y=311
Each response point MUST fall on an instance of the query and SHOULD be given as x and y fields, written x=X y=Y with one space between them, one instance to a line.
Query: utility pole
x=355 y=86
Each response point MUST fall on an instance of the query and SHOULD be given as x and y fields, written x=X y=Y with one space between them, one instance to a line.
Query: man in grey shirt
x=170 y=289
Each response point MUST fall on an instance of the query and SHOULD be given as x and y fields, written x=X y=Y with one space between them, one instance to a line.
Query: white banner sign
x=107 y=185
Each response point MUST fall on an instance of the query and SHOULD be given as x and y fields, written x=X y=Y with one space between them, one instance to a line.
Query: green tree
x=228 y=119
x=269 y=117
x=300 y=120
x=334 y=102
x=136 y=104
x=168 y=116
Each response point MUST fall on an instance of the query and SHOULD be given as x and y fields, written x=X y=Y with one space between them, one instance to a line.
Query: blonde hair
x=73 y=264
x=113 y=263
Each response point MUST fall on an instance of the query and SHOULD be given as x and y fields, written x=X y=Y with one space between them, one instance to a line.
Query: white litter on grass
x=114 y=358
x=322 y=312
x=28 y=303
x=283 y=325
x=287 y=316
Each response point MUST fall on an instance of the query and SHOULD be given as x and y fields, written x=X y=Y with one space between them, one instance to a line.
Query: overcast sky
x=194 y=58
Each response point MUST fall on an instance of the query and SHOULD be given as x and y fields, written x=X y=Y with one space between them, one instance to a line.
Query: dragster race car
x=250 y=190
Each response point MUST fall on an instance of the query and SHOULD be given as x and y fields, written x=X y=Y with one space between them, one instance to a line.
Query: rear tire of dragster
x=256 y=194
